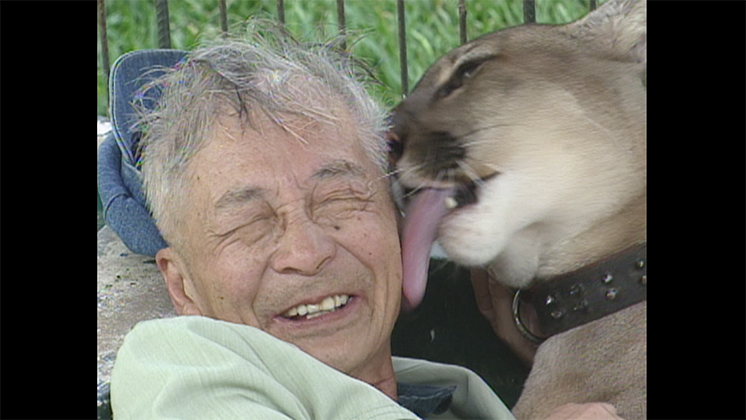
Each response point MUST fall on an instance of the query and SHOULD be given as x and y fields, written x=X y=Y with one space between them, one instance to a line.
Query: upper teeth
x=313 y=310
x=450 y=203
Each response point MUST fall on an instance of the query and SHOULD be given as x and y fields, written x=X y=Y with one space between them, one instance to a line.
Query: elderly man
x=264 y=165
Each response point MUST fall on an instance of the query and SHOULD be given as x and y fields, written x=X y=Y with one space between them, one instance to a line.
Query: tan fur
x=559 y=114
x=604 y=361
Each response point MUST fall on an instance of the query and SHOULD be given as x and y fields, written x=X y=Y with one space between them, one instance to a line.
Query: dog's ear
x=620 y=25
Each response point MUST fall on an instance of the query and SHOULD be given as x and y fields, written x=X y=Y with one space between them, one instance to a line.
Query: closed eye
x=335 y=203
x=252 y=226
x=341 y=206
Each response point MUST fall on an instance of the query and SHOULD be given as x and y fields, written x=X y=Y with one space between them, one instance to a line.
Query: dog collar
x=590 y=293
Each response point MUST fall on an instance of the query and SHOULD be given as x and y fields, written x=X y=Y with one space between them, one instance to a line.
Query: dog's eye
x=464 y=71
x=467 y=70
x=449 y=87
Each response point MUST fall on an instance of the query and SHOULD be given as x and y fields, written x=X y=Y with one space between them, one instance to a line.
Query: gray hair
x=248 y=76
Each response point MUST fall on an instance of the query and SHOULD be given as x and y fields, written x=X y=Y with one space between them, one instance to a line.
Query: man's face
x=277 y=225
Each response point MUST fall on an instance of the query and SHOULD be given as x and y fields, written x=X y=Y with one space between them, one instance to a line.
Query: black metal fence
x=164 y=35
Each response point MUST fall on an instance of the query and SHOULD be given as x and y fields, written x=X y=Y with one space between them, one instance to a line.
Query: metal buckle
x=519 y=324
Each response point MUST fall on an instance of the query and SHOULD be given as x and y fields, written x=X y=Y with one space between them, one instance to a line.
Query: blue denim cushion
x=119 y=179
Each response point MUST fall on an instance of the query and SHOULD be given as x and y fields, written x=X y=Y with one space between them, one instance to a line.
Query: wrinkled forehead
x=318 y=123
x=263 y=143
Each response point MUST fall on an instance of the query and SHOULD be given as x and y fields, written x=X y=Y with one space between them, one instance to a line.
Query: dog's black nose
x=397 y=136
x=395 y=147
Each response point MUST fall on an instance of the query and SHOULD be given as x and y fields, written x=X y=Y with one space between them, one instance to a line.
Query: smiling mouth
x=313 y=310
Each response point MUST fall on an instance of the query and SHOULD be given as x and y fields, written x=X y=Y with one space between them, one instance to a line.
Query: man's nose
x=304 y=248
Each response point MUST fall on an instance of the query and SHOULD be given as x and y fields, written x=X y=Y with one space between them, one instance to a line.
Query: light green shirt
x=193 y=367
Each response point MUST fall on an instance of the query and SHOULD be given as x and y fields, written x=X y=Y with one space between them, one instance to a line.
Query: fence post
x=104 y=44
x=161 y=16
x=223 y=17
x=281 y=11
x=462 y=21
x=341 y=23
x=402 y=48
x=529 y=11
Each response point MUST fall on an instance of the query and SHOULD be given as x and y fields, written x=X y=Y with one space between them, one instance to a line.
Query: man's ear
x=177 y=281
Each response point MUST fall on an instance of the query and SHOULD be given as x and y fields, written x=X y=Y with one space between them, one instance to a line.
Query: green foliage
x=432 y=28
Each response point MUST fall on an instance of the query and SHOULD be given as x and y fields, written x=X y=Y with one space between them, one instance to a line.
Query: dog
x=525 y=153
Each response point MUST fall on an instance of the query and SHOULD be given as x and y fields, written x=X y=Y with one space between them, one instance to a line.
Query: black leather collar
x=590 y=293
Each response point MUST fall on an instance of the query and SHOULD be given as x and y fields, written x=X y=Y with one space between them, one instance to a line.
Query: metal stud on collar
x=519 y=324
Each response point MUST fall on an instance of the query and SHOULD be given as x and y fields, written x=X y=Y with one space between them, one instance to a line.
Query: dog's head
x=525 y=135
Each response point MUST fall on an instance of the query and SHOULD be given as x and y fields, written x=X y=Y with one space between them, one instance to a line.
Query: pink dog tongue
x=418 y=233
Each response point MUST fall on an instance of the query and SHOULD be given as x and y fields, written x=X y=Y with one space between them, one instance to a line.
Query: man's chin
x=355 y=352
x=369 y=363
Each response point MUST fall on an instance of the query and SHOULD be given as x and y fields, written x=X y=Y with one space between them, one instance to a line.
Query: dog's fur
x=549 y=123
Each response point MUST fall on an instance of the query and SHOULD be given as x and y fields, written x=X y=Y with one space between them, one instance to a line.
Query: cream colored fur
x=558 y=113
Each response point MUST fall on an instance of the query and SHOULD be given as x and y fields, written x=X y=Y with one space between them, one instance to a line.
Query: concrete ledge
x=130 y=290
